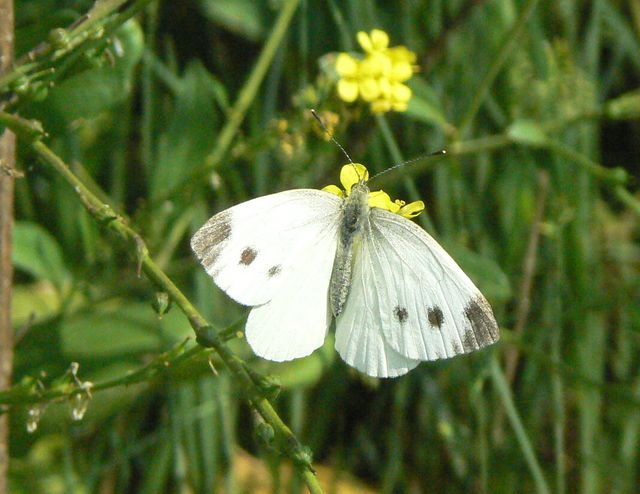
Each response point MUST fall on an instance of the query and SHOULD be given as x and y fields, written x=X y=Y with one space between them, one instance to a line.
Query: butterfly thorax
x=354 y=215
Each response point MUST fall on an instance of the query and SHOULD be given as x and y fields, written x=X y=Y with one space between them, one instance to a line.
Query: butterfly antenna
x=335 y=141
x=404 y=163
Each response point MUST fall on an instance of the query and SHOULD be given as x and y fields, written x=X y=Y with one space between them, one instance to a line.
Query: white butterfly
x=302 y=257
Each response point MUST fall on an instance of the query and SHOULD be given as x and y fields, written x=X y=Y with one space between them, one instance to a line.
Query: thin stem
x=507 y=47
x=396 y=156
x=161 y=364
x=502 y=387
x=512 y=353
x=555 y=316
x=628 y=199
x=89 y=30
x=528 y=273
x=245 y=98
x=615 y=176
x=206 y=336
x=7 y=179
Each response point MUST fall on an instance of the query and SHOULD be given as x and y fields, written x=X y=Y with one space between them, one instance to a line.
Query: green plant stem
x=245 y=98
x=507 y=47
x=614 y=176
x=172 y=359
x=205 y=334
x=629 y=200
x=502 y=387
x=397 y=157
x=7 y=207
x=76 y=33
x=164 y=362
x=88 y=30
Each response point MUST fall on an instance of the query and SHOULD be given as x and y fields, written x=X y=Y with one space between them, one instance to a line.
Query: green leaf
x=34 y=302
x=190 y=133
x=120 y=329
x=243 y=17
x=91 y=91
x=37 y=252
x=625 y=107
x=527 y=132
x=424 y=106
x=485 y=273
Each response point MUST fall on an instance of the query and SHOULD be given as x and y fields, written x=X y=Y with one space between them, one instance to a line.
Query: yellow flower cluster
x=352 y=173
x=378 y=77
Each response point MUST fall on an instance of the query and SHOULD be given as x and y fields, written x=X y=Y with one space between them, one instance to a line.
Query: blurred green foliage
x=140 y=115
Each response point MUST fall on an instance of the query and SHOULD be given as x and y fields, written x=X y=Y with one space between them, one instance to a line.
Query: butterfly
x=302 y=258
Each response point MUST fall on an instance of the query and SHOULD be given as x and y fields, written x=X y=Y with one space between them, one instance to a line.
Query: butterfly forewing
x=427 y=307
x=251 y=248
x=276 y=252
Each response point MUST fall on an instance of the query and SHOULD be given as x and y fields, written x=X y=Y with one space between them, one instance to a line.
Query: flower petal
x=401 y=53
x=380 y=199
x=380 y=106
x=401 y=71
x=346 y=65
x=369 y=89
x=412 y=209
x=377 y=78
x=365 y=41
x=347 y=90
x=334 y=189
x=379 y=39
x=386 y=88
x=375 y=65
x=399 y=106
x=351 y=174
x=401 y=93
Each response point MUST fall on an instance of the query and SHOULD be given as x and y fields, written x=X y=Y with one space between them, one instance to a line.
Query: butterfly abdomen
x=355 y=211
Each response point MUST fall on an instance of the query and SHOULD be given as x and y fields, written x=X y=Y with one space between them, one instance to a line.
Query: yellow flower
x=378 y=77
x=347 y=68
x=377 y=40
x=352 y=173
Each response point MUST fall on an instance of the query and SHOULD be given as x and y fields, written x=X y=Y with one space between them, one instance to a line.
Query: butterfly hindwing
x=359 y=337
x=295 y=321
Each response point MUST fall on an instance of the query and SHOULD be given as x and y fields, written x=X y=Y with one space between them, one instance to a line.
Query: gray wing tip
x=483 y=330
x=206 y=242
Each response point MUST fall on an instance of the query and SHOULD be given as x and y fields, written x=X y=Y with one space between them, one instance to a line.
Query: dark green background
x=141 y=115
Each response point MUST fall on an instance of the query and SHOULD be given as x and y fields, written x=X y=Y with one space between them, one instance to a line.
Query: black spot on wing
x=400 y=314
x=208 y=242
x=248 y=255
x=274 y=270
x=436 y=317
x=484 y=329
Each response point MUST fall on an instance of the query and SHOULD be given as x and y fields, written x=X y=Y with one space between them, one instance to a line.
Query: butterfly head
x=354 y=178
